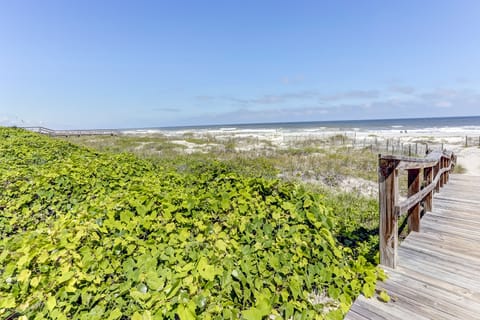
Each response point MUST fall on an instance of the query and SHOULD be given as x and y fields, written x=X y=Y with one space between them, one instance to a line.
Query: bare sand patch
x=469 y=158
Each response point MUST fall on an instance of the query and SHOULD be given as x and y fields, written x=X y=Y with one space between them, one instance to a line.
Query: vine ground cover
x=99 y=235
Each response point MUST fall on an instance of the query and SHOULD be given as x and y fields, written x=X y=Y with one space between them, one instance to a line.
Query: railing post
x=442 y=176
x=428 y=177
x=447 y=174
x=413 y=188
x=388 y=195
x=436 y=168
x=445 y=165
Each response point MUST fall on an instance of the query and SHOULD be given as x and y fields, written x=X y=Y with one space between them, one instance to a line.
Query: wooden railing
x=435 y=169
x=41 y=130
x=67 y=133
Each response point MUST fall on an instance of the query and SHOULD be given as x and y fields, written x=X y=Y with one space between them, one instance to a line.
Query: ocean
x=430 y=124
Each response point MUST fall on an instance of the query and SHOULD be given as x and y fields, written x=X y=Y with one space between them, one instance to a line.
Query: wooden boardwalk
x=68 y=133
x=438 y=271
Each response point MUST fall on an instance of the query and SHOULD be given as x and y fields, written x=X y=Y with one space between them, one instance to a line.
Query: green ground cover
x=88 y=234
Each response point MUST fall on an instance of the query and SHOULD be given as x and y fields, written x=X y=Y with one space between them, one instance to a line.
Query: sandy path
x=469 y=158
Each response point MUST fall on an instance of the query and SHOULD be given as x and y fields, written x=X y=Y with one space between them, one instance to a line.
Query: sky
x=134 y=64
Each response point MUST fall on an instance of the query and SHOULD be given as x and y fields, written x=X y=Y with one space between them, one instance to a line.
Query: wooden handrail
x=436 y=169
x=67 y=133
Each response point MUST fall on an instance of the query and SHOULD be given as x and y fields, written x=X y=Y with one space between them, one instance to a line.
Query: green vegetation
x=309 y=159
x=86 y=234
x=459 y=169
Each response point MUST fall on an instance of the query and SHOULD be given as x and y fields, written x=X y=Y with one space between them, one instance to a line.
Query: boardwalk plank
x=433 y=293
x=432 y=248
x=415 y=297
x=433 y=282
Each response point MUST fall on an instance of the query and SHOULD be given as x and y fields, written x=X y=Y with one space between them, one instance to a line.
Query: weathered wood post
x=428 y=177
x=445 y=165
x=388 y=195
x=413 y=188
x=442 y=176
x=436 y=168
x=447 y=174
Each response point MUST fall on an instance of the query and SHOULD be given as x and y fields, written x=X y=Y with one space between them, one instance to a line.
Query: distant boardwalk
x=67 y=133
x=437 y=275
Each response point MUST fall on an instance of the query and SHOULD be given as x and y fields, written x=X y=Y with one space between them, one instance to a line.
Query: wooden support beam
x=447 y=177
x=442 y=165
x=436 y=169
x=413 y=188
x=428 y=177
x=388 y=195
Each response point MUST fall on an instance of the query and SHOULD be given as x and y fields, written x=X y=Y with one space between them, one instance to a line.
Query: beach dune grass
x=311 y=159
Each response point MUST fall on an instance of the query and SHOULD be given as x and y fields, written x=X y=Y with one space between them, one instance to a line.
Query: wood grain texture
x=413 y=188
x=388 y=195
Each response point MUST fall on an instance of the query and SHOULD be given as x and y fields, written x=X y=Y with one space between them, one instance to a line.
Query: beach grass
x=311 y=159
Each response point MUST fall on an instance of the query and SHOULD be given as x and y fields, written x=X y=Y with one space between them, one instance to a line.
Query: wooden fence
x=425 y=176
x=375 y=144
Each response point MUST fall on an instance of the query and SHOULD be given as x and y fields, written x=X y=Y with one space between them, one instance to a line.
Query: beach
x=464 y=141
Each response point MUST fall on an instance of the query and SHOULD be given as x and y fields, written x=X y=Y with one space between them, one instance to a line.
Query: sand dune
x=469 y=158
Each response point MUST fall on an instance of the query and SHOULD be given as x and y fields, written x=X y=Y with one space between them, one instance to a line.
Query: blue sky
x=92 y=64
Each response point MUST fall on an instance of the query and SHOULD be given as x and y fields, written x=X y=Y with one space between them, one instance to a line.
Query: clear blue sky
x=88 y=64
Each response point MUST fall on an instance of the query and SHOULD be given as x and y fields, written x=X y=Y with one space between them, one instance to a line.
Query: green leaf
x=235 y=274
x=184 y=313
x=115 y=314
x=154 y=282
x=8 y=302
x=65 y=276
x=137 y=316
x=381 y=275
x=34 y=282
x=368 y=290
x=252 y=314
x=383 y=296
x=206 y=271
x=221 y=245
x=307 y=203
x=22 y=261
x=51 y=303
x=24 y=275
x=264 y=307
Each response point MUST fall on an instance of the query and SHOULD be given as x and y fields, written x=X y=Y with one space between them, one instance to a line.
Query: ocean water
x=428 y=124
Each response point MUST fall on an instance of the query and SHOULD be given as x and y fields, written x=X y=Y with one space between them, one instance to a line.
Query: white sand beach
x=464 y=141
x=469 y=158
